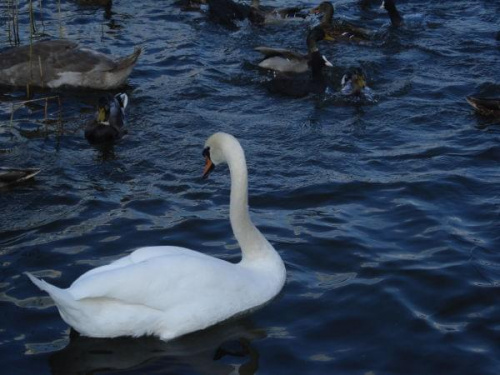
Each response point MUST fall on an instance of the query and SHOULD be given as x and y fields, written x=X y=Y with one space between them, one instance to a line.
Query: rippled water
x=386 y=212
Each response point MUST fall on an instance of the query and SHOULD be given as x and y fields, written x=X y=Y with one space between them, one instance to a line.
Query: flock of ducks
x=152 y=291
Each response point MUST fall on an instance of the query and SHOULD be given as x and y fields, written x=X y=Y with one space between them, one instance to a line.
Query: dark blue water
x=386 y=213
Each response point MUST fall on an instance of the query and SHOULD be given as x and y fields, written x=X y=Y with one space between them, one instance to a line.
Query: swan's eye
x=206 y=152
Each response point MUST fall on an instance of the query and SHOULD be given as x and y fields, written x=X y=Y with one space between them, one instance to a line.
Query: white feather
x=124 y=100
x=327 y=63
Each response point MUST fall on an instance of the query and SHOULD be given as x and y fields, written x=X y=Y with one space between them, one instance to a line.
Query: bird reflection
x=105 y=152
x=220 y=350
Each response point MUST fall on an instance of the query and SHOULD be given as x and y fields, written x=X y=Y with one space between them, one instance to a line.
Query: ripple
x=385 y=213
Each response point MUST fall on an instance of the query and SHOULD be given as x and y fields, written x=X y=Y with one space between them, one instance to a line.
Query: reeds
x=47 y=118
x=13 y=22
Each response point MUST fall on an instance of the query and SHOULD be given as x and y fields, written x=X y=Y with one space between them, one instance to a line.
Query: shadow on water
x=105 y=152
x=224 y=349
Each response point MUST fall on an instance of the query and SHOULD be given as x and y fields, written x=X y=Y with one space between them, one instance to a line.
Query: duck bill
x=315 y=10
x=329 y=38
x=361 y=82
x=101 y=115
x=209 y=167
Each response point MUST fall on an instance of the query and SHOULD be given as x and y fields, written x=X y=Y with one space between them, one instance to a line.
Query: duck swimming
x=484 y=106
x=108 y=126
x=301 y=85
x=354 y=83
x=261 y=16
x=390 y=7
x=227 y=12
x=12 y=176
x=169 y=291
x=338 y=30
x=190 y=5
x=287 y=61
x=58 y=63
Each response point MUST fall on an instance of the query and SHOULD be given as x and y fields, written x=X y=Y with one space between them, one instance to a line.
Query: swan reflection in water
x=223 y=349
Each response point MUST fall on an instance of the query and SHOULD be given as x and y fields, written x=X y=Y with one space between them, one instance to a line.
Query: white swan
x=169 y=291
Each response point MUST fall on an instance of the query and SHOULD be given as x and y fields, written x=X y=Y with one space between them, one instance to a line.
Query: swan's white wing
x=140 y=255
x=162 y=282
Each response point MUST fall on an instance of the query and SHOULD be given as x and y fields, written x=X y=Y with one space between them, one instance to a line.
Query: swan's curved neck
x=253 y=244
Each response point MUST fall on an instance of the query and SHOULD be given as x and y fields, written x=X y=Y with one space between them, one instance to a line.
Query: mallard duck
x=56 y=63
x=338 y=30
x=190 y=5
x=108 y=125
x=354 y=83
x=261 y=16
x=390 y=7
x=227 y=12
x=169 y=291
x=484 y=106
x=364 y=4
x=300 y=85
x=304 y=84
x=287 y=61
x=12 y=176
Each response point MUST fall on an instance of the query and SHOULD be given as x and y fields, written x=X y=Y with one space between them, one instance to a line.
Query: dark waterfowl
x=390 y=7
x=339 y=30
x=12 y=176
x=485 y=106
x=108 y=126
x=365 y=4
x=227 y=12
x=287 y=61
x=259 y=15
x=300 y=85
x=56 y=63
x=190 y=5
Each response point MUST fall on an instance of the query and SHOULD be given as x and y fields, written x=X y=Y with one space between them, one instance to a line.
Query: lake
x=385 y=211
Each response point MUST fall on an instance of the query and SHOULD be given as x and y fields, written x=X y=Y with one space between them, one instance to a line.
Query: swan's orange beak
x=209 y=167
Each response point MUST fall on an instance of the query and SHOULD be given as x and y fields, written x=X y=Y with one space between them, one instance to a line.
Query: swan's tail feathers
x=60 y=296
x=128 y=61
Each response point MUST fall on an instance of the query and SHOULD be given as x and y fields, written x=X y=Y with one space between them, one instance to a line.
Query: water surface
x=386 y=213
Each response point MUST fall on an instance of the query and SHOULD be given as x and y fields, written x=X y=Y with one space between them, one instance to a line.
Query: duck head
x=325 y=7
x=103 y=110
x=354 y=82
x=111 y=110
x=390 y=7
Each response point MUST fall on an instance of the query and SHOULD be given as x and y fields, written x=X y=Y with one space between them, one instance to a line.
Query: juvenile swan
x=169 y=291
x=62 y=63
